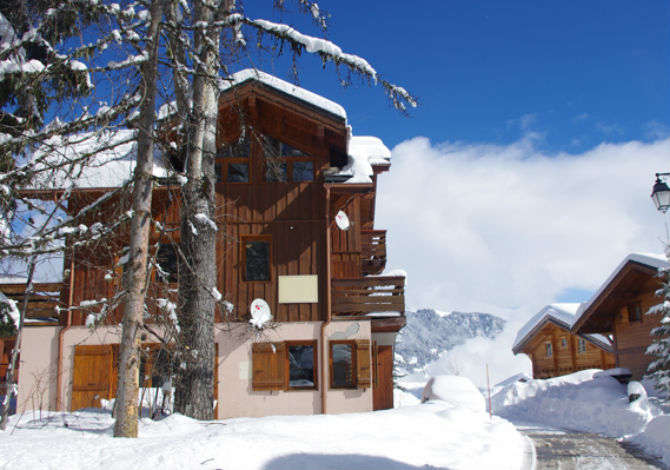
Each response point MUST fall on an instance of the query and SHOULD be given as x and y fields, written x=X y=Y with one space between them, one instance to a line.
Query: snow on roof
x=653 y=260
x=563 y=314
x=364 y=152
x=13 y=279
x=290 y=89
x=103 y=159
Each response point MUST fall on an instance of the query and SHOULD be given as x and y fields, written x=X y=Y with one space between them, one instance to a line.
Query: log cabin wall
x=565 y=357
x=632 y=328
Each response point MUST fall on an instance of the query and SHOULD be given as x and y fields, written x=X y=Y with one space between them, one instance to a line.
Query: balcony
x=373 y=251
x=374 y=296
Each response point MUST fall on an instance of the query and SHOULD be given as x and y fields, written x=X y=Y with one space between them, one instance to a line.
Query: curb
x=529 y=461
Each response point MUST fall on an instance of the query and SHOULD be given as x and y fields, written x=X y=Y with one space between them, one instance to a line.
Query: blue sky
x=578 y=72
x=523 y=177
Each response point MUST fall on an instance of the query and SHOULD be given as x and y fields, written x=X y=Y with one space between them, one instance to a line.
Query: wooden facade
x=620 y=308
x=554 y=350
x=278 y=190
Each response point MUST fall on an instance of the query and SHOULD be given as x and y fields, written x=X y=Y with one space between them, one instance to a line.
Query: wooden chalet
x=287 y=165
x=619 y=308
x=554 y=351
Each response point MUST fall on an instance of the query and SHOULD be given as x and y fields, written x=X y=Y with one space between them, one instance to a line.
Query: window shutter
x=268 y=366
x=363 y=363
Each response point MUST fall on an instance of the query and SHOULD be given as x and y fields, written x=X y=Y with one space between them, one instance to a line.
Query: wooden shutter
x=267 y=362
x=93 y=376
x=363 y=363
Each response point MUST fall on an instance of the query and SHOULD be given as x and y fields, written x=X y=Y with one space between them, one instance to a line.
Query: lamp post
x=660 y=194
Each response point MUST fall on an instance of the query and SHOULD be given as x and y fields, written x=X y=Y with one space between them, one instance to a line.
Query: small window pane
x=275 y=172
x=217 y=169
x=303 y=171
x=301 y=366
x=238 y=172
x=288 y=151
x=167 y=261
x=239 y=149
x=257 y=261
x=343 y=365
x=547 y=350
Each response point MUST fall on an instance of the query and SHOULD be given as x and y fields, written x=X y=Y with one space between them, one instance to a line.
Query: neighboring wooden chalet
x=619 y=308
x=287 y=165
x=546 y=339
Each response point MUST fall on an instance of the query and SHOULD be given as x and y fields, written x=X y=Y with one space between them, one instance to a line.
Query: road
x=557 y=449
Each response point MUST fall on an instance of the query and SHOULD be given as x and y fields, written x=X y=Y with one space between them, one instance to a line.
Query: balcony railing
x=368 y=296
x=373 y=251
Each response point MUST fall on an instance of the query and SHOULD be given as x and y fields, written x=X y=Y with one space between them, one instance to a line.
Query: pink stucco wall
x=234 y=370
x=39 y=368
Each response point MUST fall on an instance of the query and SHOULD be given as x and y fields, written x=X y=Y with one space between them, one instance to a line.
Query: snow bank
x=583 y=402
x=455 y=390
x=436 y=434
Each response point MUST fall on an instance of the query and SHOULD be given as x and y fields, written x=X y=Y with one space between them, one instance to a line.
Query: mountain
x=429 y=333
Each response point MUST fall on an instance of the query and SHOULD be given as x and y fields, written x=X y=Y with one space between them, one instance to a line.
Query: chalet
x=553 y=350
x=619 y=308
x=296 y=206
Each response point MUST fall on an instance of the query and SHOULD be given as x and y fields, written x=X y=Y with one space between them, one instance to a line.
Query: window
x=581 y=345
x=290 y=365
x=168 y=263
x=256 y=257
x=301 y=361
x=547 y=350
x=634 y=312
x=232 y=162
x=564 y=342
x=350 y=364
x=286 y=163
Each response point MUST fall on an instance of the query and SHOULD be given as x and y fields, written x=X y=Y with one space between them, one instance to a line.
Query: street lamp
x=661 y=193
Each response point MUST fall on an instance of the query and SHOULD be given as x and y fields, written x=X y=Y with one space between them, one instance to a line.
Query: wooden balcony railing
x=373 y=251
x=42 y=302
x=368 y=296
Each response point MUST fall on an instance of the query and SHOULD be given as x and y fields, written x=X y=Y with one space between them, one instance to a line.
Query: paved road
x=567 y=450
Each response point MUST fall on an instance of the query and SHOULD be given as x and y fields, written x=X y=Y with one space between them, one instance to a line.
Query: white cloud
x=507 y=229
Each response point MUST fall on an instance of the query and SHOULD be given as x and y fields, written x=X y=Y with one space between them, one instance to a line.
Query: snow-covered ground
x=452 y=430
x=588 y=401
x=436 y=434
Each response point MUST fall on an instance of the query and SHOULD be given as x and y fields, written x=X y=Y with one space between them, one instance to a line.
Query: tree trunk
x=195 y=380
x=10 y=381
x=135 y=275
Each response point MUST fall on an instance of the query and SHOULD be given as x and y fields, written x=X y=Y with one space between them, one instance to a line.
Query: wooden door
x=382 y=392
x=93 y=376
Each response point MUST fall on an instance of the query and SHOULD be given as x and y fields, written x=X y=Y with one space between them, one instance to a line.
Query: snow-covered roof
x=289 y=88
x=364 y=152
x=92 y=160
x=562 y=314
x=652 y=260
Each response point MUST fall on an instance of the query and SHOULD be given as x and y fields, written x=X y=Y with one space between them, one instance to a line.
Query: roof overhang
x=629 y=280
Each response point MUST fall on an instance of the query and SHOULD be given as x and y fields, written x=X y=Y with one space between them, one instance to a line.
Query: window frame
x=634 y=312
x=243 y=257
x=288 y=160
x=581 y=349
x=331 y=364
x=222 y=161
x=548 y=349
x=287 y=365
x=564 y=342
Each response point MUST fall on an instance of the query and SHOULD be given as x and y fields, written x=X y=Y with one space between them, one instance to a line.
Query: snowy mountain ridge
x=429 y=333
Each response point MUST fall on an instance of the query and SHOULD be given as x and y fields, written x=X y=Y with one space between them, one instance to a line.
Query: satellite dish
x=260 y=313
x=342 y=221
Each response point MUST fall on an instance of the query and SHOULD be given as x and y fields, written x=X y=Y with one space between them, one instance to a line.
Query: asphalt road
x=557 y=449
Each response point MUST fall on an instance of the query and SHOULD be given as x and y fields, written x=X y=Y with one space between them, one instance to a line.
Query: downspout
x=325 y=324
x=61 y=336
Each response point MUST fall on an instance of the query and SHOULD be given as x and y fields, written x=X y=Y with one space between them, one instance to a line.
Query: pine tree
x=659 y=369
